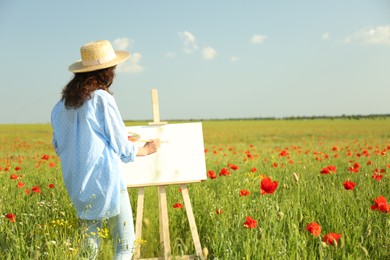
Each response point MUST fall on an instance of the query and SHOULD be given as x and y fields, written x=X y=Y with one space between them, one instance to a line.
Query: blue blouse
x=91 y=142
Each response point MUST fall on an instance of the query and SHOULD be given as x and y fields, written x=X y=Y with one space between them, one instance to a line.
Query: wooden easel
x=163 y=209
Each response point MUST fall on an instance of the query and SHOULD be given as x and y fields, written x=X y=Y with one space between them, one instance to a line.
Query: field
x=276 y=189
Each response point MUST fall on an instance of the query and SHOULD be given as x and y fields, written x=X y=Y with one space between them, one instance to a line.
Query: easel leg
x=138 y=225
x=191 y=220
x=164 y=226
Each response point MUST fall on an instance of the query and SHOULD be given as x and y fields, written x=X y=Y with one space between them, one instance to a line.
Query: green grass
x=46 y=224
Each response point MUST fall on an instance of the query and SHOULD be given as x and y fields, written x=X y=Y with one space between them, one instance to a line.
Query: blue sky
x=208 y=59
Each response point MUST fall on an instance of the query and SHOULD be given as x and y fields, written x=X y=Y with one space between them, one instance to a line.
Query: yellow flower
x=103 y=232
x=139 y=241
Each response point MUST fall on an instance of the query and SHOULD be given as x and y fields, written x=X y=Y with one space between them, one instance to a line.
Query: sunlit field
x=276 y=189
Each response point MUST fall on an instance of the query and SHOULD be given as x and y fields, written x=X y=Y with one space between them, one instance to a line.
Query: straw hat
x=98 y=55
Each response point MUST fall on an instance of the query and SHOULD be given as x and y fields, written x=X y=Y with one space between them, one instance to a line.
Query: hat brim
x=78 y=67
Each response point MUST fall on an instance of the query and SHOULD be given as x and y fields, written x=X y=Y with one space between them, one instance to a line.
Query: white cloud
x=234 y=58
x=122 y=43
x=379 y=35
x=170 y=55
x=258 y=39
x=132 y=66
x=189 y=44
x=325 y=36
x=209 y=53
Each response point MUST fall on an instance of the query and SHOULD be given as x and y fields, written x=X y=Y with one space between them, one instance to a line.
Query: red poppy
x=335 y=148
x=377 y=176
x=249 y=155
x=20 y=184
x=224 y=172
x=45 y=157
x=329 y=169
x=250 y=222
x=17 y=168
x=314 y=228
x=234 y=167
x=52 y=164
x=211 y=174
x=13 y=176
x=349 y=185
x=36 y=189
x=177 y=205
x=244 y=193
x=381 y=205
x=253 y=169
x=51 y=186
x=283 y=153
x=27 y=191
x=11 y=217
x=332 y=238
x=354 y=168
x=219 y=211
x=268 y=186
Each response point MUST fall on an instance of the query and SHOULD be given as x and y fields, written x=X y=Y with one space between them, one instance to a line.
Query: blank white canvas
x=180 y=158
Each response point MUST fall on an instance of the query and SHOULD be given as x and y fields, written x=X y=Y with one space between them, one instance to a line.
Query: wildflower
x=268 y=186
x=211 y=174
x=354 y=168
x=244 y=193
x=140 y=241
x=52 y=164
x=36 y=189
x=253 y=169
x=11 y=217
x=178 y=205
x=381 y=205
x=349 y=185
x=329 y=169
x=377 y=176
x=102 y=232
x=20 y=184
x=234 y=167
x=45 y=157
x=219 y=211
x=17 y=168
x=13 y=176
x=250 y=222
x=283 y=153
x=224 y=172
x=332 y=238
x=314 y=228
x=51 y=186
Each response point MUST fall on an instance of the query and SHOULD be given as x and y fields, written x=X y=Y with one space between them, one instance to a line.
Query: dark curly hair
x=82 y=85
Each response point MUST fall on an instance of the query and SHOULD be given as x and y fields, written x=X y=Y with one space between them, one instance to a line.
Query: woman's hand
x=149 y=147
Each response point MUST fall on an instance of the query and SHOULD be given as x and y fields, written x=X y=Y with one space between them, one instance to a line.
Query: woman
x=91 y=140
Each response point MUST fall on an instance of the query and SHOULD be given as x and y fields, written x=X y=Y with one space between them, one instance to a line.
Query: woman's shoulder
x=101 y=92
x=103 y=95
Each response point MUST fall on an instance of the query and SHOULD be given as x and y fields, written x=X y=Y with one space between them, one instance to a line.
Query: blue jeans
x=121 y=228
